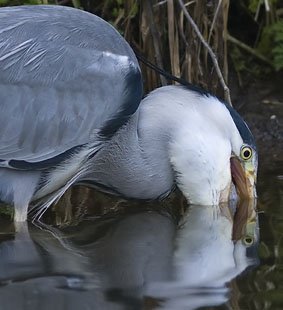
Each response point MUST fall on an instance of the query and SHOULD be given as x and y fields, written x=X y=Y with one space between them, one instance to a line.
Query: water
x=96 y=252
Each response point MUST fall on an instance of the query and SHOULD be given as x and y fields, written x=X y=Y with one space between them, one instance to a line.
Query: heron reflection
x=126 y=261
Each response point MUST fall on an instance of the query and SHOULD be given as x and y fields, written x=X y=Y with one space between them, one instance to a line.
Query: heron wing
x=64 y=75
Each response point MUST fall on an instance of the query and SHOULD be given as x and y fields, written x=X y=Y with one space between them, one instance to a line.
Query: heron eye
x=246 y=153
x=248 y=240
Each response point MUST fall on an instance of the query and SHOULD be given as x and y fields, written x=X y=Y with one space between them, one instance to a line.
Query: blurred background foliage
x=246 y=34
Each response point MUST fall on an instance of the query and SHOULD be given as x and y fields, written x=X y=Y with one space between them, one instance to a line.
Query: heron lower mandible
x=71 y=112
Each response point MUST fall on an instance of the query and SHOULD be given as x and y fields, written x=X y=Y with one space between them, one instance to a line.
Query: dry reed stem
x=173 y=40
x=214 y=20
x=267 y=7
x=212 y=55
x=155 y=40
x=225 y=9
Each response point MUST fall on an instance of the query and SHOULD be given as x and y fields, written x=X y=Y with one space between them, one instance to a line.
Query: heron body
x=71 y=112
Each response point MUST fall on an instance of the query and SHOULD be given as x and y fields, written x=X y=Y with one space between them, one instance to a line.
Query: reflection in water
x=142 y=260
x=211 y=249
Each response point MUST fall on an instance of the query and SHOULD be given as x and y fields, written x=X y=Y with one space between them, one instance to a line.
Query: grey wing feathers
x=64 y=75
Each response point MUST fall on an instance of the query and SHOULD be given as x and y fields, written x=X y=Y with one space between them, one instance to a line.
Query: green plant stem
x=76 y=4
x=249 y=49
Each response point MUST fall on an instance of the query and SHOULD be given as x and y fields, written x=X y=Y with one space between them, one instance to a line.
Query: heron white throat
x=71 y=112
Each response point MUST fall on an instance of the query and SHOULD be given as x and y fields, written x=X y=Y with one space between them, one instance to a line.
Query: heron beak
x=243 y=176
x=244 y=224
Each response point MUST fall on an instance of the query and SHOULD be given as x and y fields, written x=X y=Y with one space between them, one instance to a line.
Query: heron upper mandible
x=72 y=112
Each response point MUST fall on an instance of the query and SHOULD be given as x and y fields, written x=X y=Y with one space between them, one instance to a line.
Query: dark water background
x=96 y=252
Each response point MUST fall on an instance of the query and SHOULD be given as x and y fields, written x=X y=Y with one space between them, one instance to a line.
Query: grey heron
x=72 y=112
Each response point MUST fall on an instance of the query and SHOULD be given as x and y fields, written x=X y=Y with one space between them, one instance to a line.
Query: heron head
x=244 y=159
x=212 y=152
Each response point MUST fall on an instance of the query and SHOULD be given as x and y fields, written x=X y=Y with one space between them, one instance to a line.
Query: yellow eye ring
x=246 y=152
x=248 y=240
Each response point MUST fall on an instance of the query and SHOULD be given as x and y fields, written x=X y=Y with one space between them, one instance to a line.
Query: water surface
x=95 y=252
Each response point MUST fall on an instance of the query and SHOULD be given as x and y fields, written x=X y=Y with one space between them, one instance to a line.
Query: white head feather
x=201 y=144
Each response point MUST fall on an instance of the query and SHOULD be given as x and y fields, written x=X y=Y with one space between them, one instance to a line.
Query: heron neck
x=135 y=162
